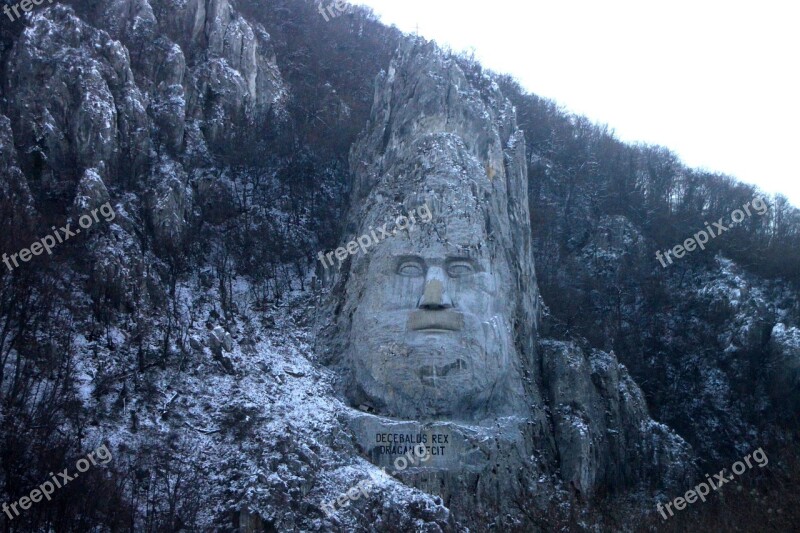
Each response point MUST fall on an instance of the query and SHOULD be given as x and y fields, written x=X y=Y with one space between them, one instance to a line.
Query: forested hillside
x=180 y=332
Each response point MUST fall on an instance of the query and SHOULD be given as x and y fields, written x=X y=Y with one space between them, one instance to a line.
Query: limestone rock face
x=219 y=340
x=90 y=194
x=13 y=186
x=449 y=289
x=73 y=97
x=169 y=202
x=203 y=62
x=602 y=430
x=785 y=365
x=138 y=104
x=436 y=327
x=88 y=98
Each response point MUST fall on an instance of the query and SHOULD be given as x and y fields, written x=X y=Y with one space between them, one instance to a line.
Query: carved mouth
x=435 y=321
x=429 y=373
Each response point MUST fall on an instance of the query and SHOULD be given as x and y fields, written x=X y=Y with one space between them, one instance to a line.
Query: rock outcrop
x=140 y=104
x=784 y=368
x=602 y=430
x=74 y=104
x=540 y=415
x=179 y=330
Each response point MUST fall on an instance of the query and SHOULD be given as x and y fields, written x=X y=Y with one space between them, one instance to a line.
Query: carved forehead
x=433 y=250
x=435 y=258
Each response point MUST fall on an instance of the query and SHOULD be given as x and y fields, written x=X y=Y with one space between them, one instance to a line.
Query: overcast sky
x=716 y=82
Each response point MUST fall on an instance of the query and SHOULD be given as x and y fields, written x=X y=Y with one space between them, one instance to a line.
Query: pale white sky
x=716 y=82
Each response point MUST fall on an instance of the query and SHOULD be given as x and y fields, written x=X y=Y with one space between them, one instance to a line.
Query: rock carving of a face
x=431 y=335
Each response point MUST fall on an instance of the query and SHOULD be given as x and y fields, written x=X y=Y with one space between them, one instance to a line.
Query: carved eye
x=412 y=269
x=459 y=268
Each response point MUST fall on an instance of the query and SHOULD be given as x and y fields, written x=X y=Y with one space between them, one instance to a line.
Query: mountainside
x=216 y=147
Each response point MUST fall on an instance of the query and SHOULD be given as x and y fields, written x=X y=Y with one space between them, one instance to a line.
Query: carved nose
x=434 y=296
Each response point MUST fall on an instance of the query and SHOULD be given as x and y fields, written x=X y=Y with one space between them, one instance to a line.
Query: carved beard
x=433 y=377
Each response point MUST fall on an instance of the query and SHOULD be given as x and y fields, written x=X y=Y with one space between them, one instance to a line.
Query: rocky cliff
x=237 y=382
x=436 y=137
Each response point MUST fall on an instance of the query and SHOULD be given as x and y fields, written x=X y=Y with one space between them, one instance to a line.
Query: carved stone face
x=431 y=335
